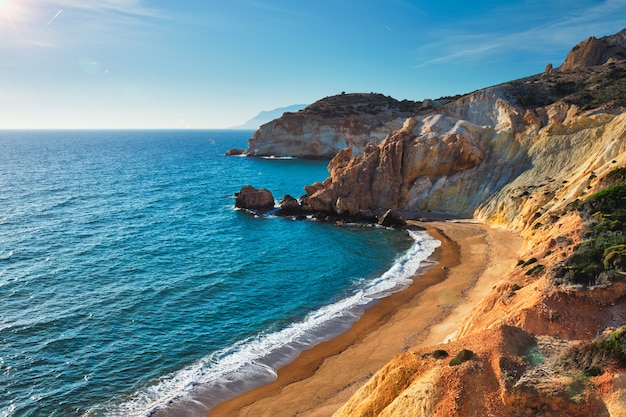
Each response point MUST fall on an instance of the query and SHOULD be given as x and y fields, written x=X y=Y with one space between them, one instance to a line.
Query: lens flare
x=8 y=9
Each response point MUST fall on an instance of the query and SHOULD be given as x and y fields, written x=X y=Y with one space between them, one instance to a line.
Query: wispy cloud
x=59 y=23
x=127 y=7
x=550 y=36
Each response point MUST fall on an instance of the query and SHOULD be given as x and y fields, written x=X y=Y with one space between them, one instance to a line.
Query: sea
x=131 y=286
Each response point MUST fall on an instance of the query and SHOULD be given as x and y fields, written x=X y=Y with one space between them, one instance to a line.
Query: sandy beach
x=471 y=260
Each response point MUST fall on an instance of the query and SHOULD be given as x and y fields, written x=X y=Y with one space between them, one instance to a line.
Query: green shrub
x=529 y=262
x=615 y=257
x=592 y=358
x=605 y=230
x=535 y=269
x=618 y=174
x=440 y=354
x=587 y=261
x=463 y=356
x=610 y=200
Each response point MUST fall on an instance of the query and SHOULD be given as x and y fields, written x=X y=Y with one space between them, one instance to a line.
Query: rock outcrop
x=254 y=199
x=510 y=373
x=446 y=161
x=593 y=51
x=331 y=124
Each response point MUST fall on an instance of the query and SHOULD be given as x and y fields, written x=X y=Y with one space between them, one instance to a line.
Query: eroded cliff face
x=494 y=379
x=481 y=156
x=317 y=137
x=566 y=159
x=435 y=162
x=535 y=338
x=329 y=125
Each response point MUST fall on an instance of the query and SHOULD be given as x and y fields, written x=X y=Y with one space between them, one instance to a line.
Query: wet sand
x=471 y=260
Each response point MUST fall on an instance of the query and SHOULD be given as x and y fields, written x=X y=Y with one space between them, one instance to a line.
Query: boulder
x=290 y=206
x=391 y=219
x=235 y=152
x=254 y=199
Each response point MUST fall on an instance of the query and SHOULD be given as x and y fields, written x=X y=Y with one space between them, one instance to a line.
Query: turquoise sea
x=130 y=286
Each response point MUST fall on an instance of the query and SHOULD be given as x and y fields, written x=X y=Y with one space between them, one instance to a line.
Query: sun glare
x=8 y=11
x=6 y=7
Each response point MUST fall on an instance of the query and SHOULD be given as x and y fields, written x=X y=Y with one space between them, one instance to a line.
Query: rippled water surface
x=129 y=284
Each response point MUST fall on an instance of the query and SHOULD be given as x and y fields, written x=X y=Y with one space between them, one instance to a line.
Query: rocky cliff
x=331 y=124
x=545 y=156
x=507 y=154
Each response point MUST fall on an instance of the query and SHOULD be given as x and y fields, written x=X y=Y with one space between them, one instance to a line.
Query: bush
x=440 y=354
x=592 y=358
x=618 y=174
x=535 y=269
x=463 y=356
x=605 y=229
x=529 y=262
x=610 y=200
x=615 y=257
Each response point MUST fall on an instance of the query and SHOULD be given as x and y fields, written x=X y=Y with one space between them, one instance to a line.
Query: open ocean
x=130 y=286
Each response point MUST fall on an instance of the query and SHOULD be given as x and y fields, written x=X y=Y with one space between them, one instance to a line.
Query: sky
x=169 y=64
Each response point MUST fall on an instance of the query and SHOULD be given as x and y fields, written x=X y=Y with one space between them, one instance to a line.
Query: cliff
x=544 y=156
x=593 y=51
x=329 y=125
x=487 y=154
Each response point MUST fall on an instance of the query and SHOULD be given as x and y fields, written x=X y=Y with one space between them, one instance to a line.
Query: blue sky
x=215 y=64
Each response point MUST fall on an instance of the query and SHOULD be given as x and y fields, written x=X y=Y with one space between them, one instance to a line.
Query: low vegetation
x=594 y=357
x=352 y=104
x=588 y=89
x=463 y=356
x=440 y=354
x=601 y=257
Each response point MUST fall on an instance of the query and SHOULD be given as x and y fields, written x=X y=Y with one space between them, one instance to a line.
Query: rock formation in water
x=254 y=199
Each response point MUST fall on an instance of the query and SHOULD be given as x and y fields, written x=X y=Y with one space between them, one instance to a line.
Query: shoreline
x=323 y=377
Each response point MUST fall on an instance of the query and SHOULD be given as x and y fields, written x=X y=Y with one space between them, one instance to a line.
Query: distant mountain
x=269 y=115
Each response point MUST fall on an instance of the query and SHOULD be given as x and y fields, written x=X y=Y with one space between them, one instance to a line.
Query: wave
x=195 y=389
x=272 y=157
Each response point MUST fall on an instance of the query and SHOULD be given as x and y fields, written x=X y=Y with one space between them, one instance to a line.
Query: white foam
x=272 y=157
x=254 y=362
